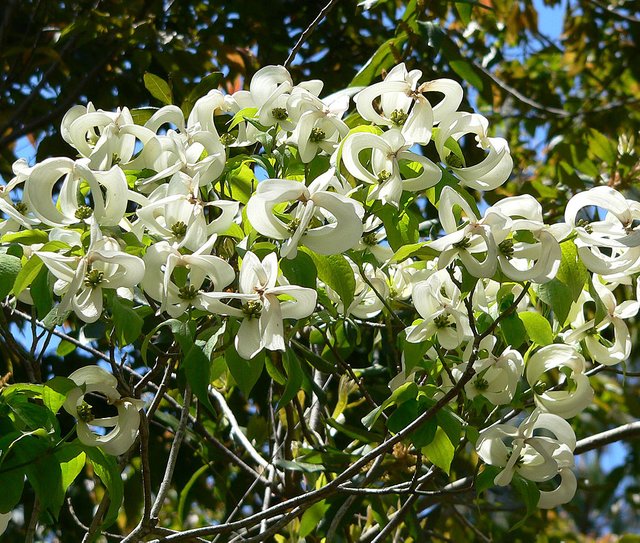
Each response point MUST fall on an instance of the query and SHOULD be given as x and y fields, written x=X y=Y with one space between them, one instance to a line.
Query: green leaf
x=242 y=181
x=127 y=323
x=464 y=11
x=485 y=478
x=300 y=270
x=64 y=348
x=55 y=392
x=537 y=327
x=401 y=227
x=602 y=147
x=158 y=88
x=403 y=393
x=440 y=451
x=572 y=272
x=27 y=274
x=383 y=59
x=45 y=476
x=243 y=115
x=71 y=459
x=141 y=115
x=530 y=494
x=197 y=370
x=10 y=267
x=557 y=296
x=467 y=72
x=312 y=517
x=106 y=468
x=12 y=486
x=513 y=329
x=41 y=293
x=26 y=237
x=294 y=378
x=336 y=272
x=184 y=493
x=245 y=372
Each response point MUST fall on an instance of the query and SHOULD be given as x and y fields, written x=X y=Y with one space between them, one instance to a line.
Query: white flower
x=388 y=150
x=94 y=380
x=80 y=280
x=262 y=310
x=326 y=222
x=535 y=457
x=600 y=349
x=404 y=106
x=496 y=377
x=108 y=190
x=493 y=170
x=528 y=250
x=438 y=301
x=18 y=215
x=611 y=245
x=97 y=135
x=474 y=238
x=178 y=292
x=573 y=394
x=175 y=212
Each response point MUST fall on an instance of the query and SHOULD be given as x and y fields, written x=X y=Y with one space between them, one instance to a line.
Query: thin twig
x=308 y=31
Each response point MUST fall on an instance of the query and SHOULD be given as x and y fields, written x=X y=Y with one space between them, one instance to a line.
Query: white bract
x=264 y=305
x=93 y=381
x=81 y=280
x=572 y=393
x=327 y=222
x=535 y=457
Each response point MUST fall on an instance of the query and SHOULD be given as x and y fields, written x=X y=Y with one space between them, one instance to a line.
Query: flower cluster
x=170 y=214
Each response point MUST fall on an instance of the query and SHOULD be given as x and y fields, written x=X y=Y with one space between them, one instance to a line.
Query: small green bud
x=83 y=212
x=93 y=278
x=317 y=135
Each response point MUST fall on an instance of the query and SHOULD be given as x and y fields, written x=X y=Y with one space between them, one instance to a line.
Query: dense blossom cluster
x=160 y=214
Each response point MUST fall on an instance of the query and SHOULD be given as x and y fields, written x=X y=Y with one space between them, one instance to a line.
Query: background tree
x=568 y=106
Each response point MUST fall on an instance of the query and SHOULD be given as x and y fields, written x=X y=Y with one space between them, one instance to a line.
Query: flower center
x=93 y=278
x=506 y=248
x=317 y=135
x=370 y=239
x=252 y=309
x=227 y=139
x=21 y=207
x=464 y=243
x=293 y=225
x=179 y=229
x=481 y=384
x=442 y=321
x=85 y=412
x=454 y=161
x=83 y=212
x=384 y=175
x=279 y=113
x=188 y=292
x=398 y=117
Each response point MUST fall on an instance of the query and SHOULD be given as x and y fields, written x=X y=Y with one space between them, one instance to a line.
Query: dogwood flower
x=80 y=280
x=404 y=106
x=91 y=381
x=326 y=222
x=438 y=301
x=601 y=350
x=263 y=309
x=108 y=191
x=17 y=214
x=572 y=394
x=493 y=170
x=611 y=245
x=476 y=237
x=388 y=149
x=175 y=212
x=496 y=377
x=97 y=135
x=538 y=458
x=179 y=281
